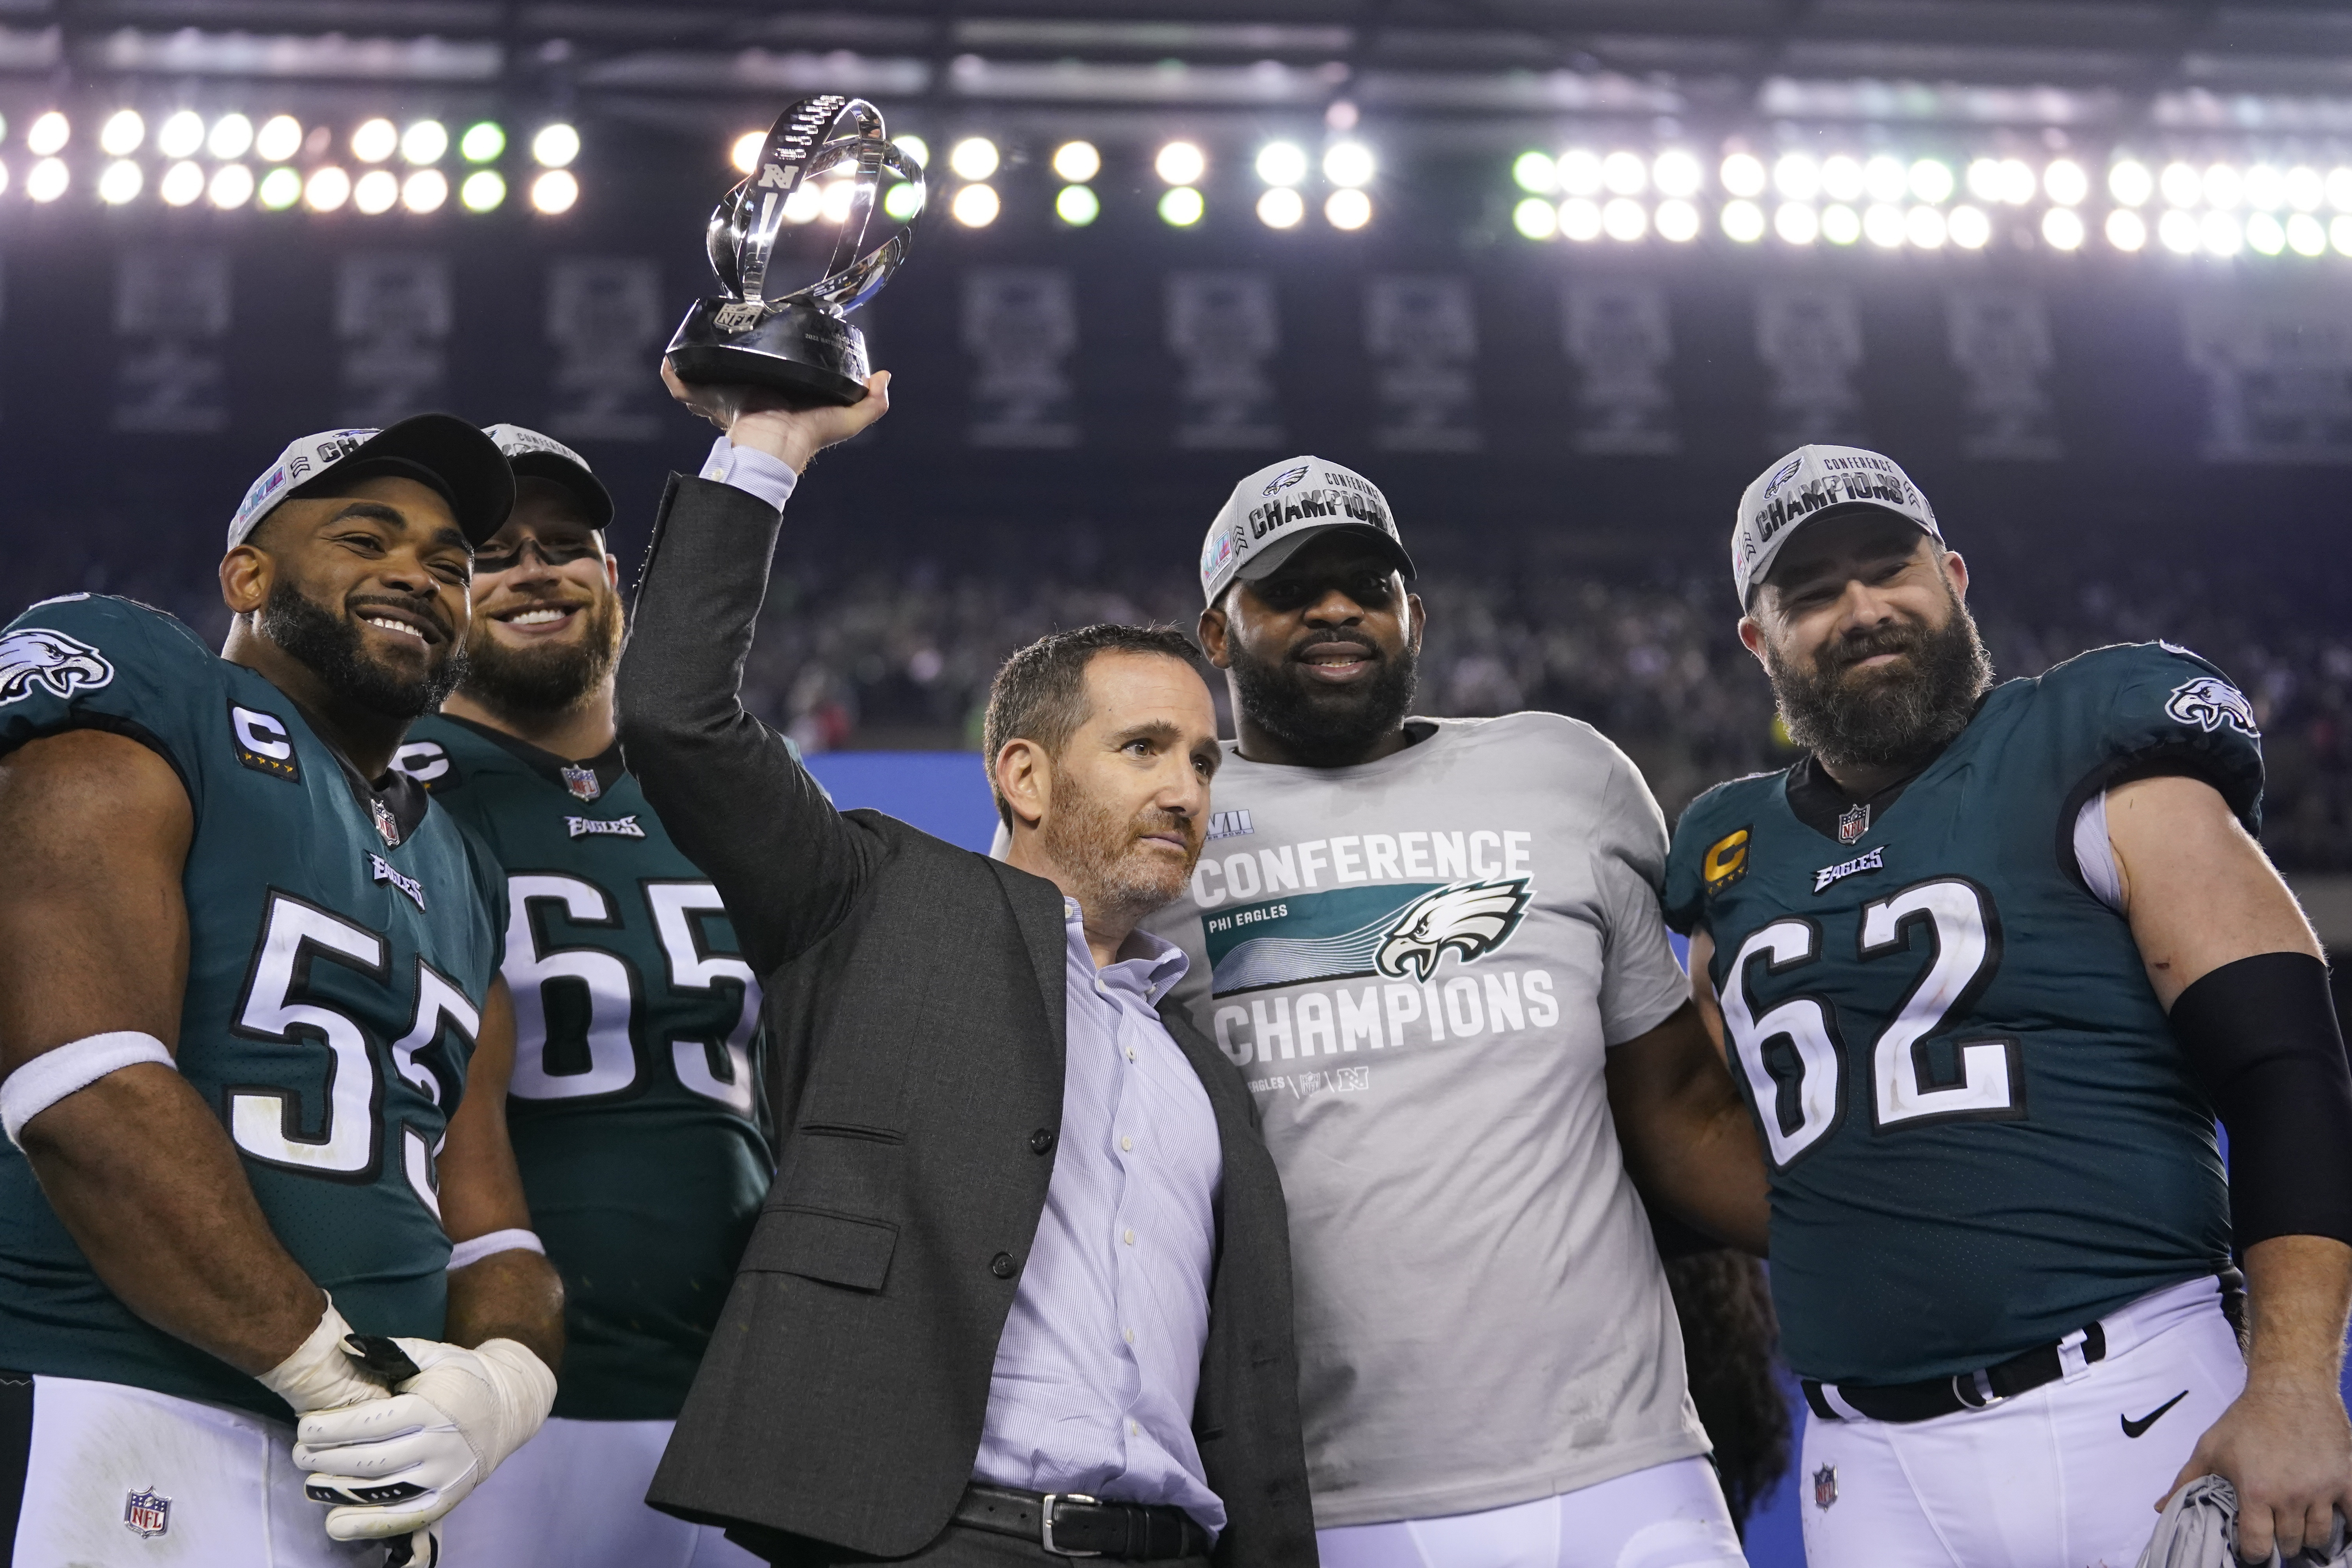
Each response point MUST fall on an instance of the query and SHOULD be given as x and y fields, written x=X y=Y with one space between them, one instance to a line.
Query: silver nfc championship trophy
x=799 y=343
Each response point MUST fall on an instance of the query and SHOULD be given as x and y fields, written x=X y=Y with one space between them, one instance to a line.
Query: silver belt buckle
x=1045 y=1522
x=1977 y=1383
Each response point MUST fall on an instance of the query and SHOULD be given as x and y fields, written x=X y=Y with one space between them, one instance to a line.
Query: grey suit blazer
x=917 y=993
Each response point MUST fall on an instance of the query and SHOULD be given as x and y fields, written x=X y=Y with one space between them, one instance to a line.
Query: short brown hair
x=1040 y=693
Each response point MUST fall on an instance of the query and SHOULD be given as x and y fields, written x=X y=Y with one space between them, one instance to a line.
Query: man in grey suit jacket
x=1022 y=1287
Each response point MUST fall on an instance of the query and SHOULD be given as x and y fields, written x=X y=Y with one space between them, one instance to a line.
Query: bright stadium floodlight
x=1968 y=227
x=181 y=134
x=327 y=189
x=839 y=194
x=377 y=190
x=1349 y=165
x=804 y=203
x=120 y=135
x=120 y=182
x=375 y=141
x=556 y=191
x=915 y=147
x=1841 y=224
x=425 y=191
x=1797 y=176
x=2225 y=188
x=4 y=175
x=1579 y=172
x=2062 y=228
x=1076 y=205
x=745 y=153
x=1882 y=225
x=2065 y=183
x=45 y=137
x=426 y=141
x=1180 y=164
x=2305 y=189
x=182 y=183
x=1077 y=162
x=1983 y=179
x=555 y=146
x=1797 y=223
x=2017 y=181
x=1580 y=219
x=484 y=141
x=1281 y=207
x=231 y=138
x=1347 y=208
x=1923 y=227
x=1931 y=181
x=1624 y=219
x=1677 y=173
x=2182 y=185
x=2266 y=191
x=975 y=206
x=2222 y=234
x=974 y=158
x=1676 y=221
x=2127 y=230
x=280 y=189
x=2265 y=236
x=484 y=190
x=1742 y=220
x=280 y=138
x=232 y=186
x=2130 y=182
x=1883 y=179
x=1742 y=175
x=1285 y=164
x=47 y=180
x=1534 y=218
x=2305 y=235
x=1841 y=178
x=2177 y=232
x=1535 y=173
x=902 y=202
x=1181 y=207
x=1624 y=173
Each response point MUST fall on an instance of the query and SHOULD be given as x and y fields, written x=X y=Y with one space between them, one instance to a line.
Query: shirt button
x=1003 y=1266
x=1134 y=1430
x=1130 y=1053
x=1042 y=1140
x=1127 y=1142
x=1130 y=1336
x=1129 y=1237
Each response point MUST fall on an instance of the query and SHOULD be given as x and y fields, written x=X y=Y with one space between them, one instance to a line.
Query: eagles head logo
x=37 y=659
x=1282 y=480
x=2207 y=703
x=1472 y=917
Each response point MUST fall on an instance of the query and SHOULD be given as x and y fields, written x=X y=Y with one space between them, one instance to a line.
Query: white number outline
x=438 y=999
x=1810 y=1026
x=266 y=1121
x=1992 y=1086
x=677 y=907
x=611 y=1066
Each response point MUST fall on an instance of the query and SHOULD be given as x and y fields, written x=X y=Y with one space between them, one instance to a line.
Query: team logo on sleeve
x=147 y=1514
x=1472 y=917
x=40 y=659
x=263 y=745
x=2209 y=702
x=1725 y=861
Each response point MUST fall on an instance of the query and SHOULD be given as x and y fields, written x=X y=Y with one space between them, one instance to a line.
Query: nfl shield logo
x=581 y=783
x=147 y=1514
x=386 y=829
x=1853 y=825
x=1825 y=1486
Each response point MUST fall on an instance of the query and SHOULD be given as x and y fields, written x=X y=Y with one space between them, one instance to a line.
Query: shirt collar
x=1158 y=965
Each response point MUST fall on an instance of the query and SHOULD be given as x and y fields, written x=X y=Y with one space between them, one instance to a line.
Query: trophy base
x=812 y=358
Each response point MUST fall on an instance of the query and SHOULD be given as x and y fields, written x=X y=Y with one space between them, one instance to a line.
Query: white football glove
x=393 y=1466
x=322 y=1374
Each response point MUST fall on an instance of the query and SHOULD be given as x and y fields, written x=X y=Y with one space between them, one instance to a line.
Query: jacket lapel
x=1037 y=907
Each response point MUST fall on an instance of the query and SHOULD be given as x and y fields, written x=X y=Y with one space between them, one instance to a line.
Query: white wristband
x=472 y=1251
x=70 y=1068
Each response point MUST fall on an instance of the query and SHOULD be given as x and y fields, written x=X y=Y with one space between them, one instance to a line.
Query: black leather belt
x=1905 y=1401
x=1071 y=1524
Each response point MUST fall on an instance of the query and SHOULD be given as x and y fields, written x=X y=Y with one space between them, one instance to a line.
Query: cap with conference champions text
x=536 y=456
x=438 y=450
x=1282 y=506
x=1811 y=482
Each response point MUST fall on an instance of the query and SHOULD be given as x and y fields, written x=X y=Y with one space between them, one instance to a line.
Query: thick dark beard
x=1886 y=719
x=1325 y=727
x=330 y=644
x=551 y=680
x=1092 y=846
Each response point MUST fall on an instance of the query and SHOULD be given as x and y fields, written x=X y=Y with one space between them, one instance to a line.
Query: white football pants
x=217 y=1487
x=575 y=1497
x=1668 y=1516
x=2052 y=1478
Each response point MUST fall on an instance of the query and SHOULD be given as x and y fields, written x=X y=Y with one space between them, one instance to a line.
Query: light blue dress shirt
x=1101 y=1356
x=753 y=471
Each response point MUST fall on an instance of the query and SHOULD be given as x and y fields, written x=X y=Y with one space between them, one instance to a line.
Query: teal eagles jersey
x=1981 y=1133
x=635 y=1098
x=341 y=946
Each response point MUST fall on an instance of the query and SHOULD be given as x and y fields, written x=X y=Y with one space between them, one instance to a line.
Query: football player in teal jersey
x=634 y=1102
x=247 y=975
x=1991 y=959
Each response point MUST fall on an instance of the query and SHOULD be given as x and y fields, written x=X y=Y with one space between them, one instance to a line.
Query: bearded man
x=634 y=1104
x=1021 y=1288
x=1432 y=948
x=1989 y=960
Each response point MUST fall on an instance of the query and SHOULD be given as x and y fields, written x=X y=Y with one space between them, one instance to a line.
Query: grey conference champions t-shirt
x=1418 y=966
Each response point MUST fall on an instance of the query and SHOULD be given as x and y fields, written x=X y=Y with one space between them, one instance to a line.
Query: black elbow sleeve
x=2261 y=1039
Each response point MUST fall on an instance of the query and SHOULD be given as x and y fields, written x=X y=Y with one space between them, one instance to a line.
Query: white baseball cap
x=1812 y=482
x=436 y=449
x=533 y=455
x=1282 y=506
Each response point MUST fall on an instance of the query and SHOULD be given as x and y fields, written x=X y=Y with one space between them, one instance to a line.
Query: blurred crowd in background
x=852 y=659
